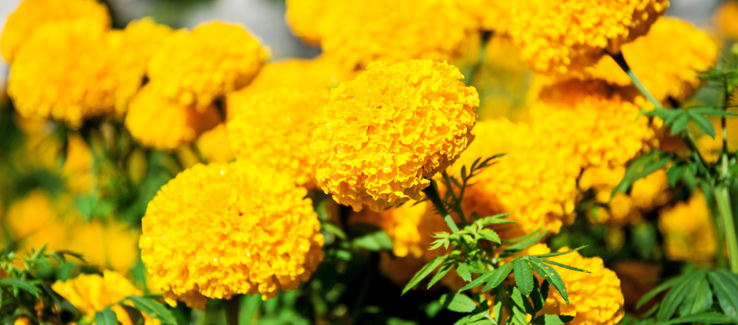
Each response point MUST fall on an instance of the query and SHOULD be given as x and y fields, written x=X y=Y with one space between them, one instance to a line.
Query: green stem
x=636 y=82
x=432 y=193
x=722 y=197
x=232 y=306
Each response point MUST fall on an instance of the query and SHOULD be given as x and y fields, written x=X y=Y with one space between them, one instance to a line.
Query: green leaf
x=490 y=235
x=653 y=293
x=552 y=319
x=497 y=219
x=441 y=273
x=560 y=253
x=458 y=302
x=704 y=318
x=518 y=306
x=153 y=309
x=680 y=123
x=523 y=276
x=675 y=173
x=711 y=111
x=478 y=281
x=702 y=123
x=471 y=319
x=725 y=288
x=374 y=241
x=549 y=274
x=462 y=269
x=333 y=229
x=20 y=284
x=106 y=317
x=698 y=299
x=676 y=295
x=499 y=275
x=568 y=267
x=538 y=299
x=641 y=167
x=423 y=273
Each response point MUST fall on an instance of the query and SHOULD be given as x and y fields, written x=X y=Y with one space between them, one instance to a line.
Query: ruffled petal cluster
x=357 y=33
x=33 y=14
x=689 y=230
x=384 y=134
x=535 y=181
x=602 y=124
x=194 y=68
x=274 y=128
x=667 y=69
x=91 y=293
x=71 y=71
x=558 y=37
x=304 y=16
x=594 y=298
x=157 y=122
x=219 y=230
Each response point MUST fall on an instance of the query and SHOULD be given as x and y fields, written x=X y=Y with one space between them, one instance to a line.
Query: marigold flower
x=689 y=230
x=558 y=37
x=274 y=128
x=111 y=244
x=304 y=16
x=214 y=145
x=725 y=19
x=219 y=230
x=91 y=293
x=33 y=14
x=666 y=70
x=534 y=182
x=194 y=68
x=357 y=33
x=157 y=122
x=385 y=133
x=594 y=298
x=30 y=214
x=78 y=165
x=493 y=15
x=603 y=125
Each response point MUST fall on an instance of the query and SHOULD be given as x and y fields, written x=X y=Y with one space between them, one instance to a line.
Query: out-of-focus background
x=265 y=18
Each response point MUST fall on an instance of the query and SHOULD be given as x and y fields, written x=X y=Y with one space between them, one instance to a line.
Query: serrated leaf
x=552 y=254
x=711 y=111
x=653 y=293
x=698 y=299
x=374 y=241
x=106 y=317
x=523 y=276
x=499 y=274
x=478 y=281
x=676 y=295
x=704 y=318
x=462 y=269
x=153 y=309
x=568 y=267
x=20 y=284
x=552 y=319
x=490 y=235
x=518 y=306
x=675 y=173
x=725 y=290
x=441 y=273
x=549 y=274
x=458 y=302
x=423 y=273
x=702 y=123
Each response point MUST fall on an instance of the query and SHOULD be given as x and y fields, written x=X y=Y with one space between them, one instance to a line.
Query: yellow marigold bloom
x=726 y=18
x=33 y=14
x=689 y=230
x=111 y=244
x=359 y=32
x=304 y=16
x=70 y=72
x=534 y=182
x=78 y=165
x=667 y=69
x=594 y=298
x=219 y=230
x=214 y=145
x=558 y=37
x=157 y=122
x=274 y=128
x=604 y=127
x=385 y=133
x=493 y=15
x=194 y=68
x=30 y=214
x=90 y=293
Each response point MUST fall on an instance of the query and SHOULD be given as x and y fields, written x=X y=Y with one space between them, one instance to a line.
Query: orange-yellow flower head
x=159 y=123
x=91 y=293
x=493 y=15
x=359 y=32
x=595 y=298
x=666 y=68
x=535 y=182
x=33 y=14
x=214 y=145
x=558 y=37
x=274 y=128
x=194 y=68
x=304 y=16
x=219 y=230
x=726 y=19
x=689 y=230
x=601 y=125
x=384 y=134
x=71 y=71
